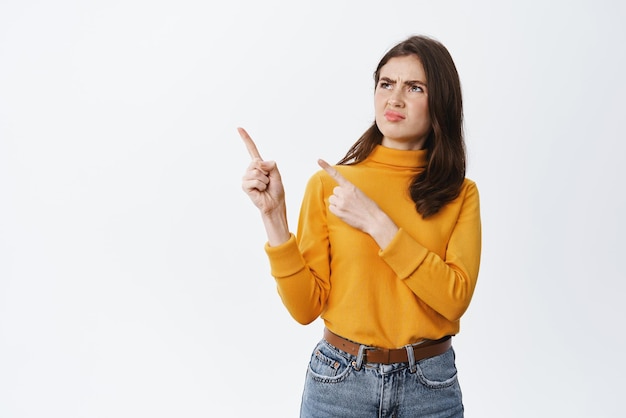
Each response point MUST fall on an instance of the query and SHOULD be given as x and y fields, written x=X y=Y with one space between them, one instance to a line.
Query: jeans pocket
x=327 y=364
x=439 y=371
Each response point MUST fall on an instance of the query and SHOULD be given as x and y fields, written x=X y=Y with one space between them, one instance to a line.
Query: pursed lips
x=393 y=116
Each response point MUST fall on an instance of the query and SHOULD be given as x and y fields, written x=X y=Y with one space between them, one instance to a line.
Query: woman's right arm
x=303 y=288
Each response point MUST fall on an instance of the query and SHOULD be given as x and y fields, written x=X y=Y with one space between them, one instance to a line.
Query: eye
x=416 y=88
x=384 y=85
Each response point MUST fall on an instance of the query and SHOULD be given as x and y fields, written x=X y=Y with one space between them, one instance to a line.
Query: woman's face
x=401 y=103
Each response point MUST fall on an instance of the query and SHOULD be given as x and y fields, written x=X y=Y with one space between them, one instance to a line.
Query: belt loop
x=359 y=358
x=411 y=356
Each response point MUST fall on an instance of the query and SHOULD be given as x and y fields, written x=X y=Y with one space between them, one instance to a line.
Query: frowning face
x=401 y=103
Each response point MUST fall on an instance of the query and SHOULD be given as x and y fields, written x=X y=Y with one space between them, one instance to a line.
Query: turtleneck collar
x=398 y=158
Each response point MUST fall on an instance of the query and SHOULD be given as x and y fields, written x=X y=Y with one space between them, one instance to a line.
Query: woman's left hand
x=356 y=209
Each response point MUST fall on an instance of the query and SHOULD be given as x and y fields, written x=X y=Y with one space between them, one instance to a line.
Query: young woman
x=387 y=249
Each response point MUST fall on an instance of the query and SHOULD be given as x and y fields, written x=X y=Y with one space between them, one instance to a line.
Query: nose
x=396 y=99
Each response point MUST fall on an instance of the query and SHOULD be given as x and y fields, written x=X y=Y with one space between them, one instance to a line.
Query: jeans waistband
x=421 y=350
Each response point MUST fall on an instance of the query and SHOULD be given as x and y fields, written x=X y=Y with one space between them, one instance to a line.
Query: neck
x=404 y=145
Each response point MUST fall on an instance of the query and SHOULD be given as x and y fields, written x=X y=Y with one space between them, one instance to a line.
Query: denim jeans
x=340 y=385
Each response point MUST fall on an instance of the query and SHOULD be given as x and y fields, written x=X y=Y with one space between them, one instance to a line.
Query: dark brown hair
x=441 y=180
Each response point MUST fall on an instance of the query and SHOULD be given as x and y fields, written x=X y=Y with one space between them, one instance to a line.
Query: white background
x=133 y=281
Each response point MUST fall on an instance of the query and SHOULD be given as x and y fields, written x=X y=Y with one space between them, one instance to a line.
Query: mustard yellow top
x=418 y=287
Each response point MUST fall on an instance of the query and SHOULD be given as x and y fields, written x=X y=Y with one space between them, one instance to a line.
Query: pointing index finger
x=333 y=172
x=250 y=145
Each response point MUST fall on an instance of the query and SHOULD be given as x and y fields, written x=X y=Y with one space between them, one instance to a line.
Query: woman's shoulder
x=468 y=189
x=467 y=182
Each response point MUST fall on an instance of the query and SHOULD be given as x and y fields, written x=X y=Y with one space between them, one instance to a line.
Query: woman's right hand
x=262 y=181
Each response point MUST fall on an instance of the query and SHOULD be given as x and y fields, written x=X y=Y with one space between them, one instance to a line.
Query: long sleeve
x=302 y=268
x=447 y=283
x=417 y=287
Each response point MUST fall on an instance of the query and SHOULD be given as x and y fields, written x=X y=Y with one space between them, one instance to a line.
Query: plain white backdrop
x=133 y=281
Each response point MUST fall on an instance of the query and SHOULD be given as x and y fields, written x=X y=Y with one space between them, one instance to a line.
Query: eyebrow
x=406 y=83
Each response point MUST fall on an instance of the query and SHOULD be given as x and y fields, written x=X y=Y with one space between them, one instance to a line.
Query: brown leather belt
x=428 y=348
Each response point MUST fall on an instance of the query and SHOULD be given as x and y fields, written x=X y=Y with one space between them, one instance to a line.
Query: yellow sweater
x=418 y=287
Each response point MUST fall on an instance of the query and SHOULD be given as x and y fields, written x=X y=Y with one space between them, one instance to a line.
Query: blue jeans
x=340 y=385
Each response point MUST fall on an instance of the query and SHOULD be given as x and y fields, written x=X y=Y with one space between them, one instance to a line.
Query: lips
x=392 y=116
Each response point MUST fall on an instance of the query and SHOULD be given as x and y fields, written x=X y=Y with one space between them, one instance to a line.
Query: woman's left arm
x=446 y=283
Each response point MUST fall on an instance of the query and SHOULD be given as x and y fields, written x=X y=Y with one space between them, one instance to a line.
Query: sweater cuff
x=403 y=254
x=285 y=259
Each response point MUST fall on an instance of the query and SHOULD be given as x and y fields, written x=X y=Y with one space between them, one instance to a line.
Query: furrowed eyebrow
x=406 y=83
x=410 y=83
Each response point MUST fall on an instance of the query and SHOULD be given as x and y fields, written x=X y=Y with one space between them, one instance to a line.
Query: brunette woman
x=387 y=248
